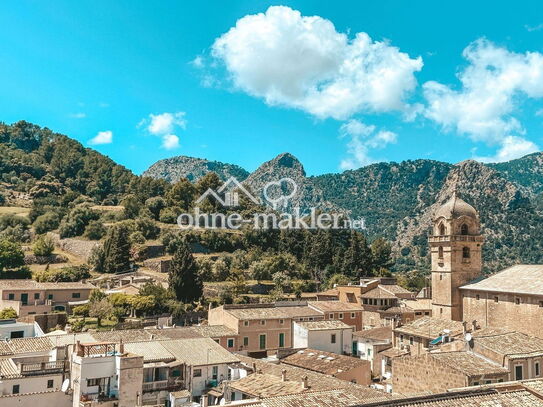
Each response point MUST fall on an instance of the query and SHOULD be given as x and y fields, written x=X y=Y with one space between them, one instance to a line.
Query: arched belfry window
x=464 y=230
x=440 y=252
x=442 y=230
x=466 y=253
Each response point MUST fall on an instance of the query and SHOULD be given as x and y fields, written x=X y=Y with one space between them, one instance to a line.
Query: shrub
x=11 y=255
x=76 y=221
x=64 y=274
x=43 y=246
x=147 y=227
x=8 y=313
x=45 y=223
x=168 y=215
x=95 y=230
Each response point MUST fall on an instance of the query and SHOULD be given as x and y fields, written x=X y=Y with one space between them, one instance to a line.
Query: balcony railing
x=455 y=238
x=42 y=368
x=163 y=385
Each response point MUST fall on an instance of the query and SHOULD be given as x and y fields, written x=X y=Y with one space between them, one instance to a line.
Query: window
x=340 y=315
x=333 y=338
x=496 y=299
x=440 y=252
x=476 y=383
x=518 y=372
x=11 y=296
x=50 y=383
x=442 y=230
x=311 y=318
x=331 y=316
x=245 y=341
x=464 y=230
x=281 y=321
x=281 y=340
x=197 y=373
x=76 y=295
x=36 y=296
x=537 y=368
x=540 y=304
x=517 y=301
x=245 y=323
x=440 y=277
x=411 y=340
x=93 y=382
x=176 y=373
x=488 y=381
x=262 y=341
x=50 y=296
x=401 y=338
x=466 y=253
x=477 y=297
x=230 y=342
x=15 y=389
x=369 y=352
x=263 y=322
x=353 y=315
x=215 y=372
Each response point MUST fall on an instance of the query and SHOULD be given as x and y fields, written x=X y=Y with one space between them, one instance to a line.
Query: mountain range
x=397 y=200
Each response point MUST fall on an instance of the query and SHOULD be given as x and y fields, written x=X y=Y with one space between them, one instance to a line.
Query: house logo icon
x=228 y=194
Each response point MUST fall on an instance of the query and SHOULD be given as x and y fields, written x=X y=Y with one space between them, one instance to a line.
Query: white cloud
x=103 y=137
x=164 y=125
x=362 y=140
x=166 y=122
x=198 y=62
x=79 y=115
x=303 y=62
x=170 y=141
x=492 y=84
x=512 y=147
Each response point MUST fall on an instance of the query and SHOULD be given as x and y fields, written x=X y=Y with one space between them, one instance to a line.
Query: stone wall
x=77 y=247
x=158 y=265
x=47 y=322
x=501 y=310
x=417 y=374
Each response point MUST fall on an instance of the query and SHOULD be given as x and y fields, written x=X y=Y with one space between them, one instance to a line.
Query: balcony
x=170 y=385
x=455 y=238
x=43 y=368
x=96 y=399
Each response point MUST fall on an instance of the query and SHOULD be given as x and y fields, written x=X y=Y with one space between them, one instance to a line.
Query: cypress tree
x=184 y=280
x=117 y=250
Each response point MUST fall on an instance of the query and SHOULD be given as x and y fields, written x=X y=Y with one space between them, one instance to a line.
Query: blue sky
x=359 y=82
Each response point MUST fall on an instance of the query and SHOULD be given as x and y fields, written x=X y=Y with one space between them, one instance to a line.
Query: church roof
x=455 y=207
x=519 y=279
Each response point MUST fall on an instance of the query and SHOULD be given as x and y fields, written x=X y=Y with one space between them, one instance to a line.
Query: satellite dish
x=65 y=385
x=468 y=337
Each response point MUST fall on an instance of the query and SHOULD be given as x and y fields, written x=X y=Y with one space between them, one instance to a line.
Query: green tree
x=184 y=279
x=8 y=313
x=181 y=194
x=47 y=222
x=95 y=230
x=357 y=259
x=117 y=249
x=11 y=255
x=382 y=254
x=43 y=246
x=155 y=205
x=100 y=310
x=131 y=206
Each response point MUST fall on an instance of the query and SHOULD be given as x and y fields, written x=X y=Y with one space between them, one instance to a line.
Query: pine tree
x=184 y=279
x=117 y=250
x=358 y=257
x=382 y=254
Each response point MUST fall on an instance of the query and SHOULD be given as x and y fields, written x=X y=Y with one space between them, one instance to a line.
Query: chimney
x=204 y=401
x=474 y=324
x=465 y=327
x=304 y=383
x=254 y=367
x=121 y=347
x=283 y=375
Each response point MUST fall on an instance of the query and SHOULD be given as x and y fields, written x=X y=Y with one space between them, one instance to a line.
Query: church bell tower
x=456 y=245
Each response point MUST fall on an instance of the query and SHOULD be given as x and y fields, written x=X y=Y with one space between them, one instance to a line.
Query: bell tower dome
x=456 y=245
